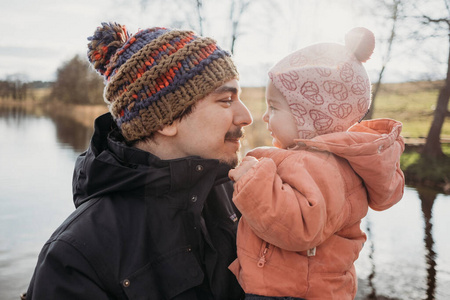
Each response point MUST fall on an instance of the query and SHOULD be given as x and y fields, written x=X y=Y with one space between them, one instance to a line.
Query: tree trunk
x=375 y=91
x=394 y=17
x=432 y=147
x=200 y=16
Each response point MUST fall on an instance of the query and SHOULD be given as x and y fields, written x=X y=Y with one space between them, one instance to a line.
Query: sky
x=39 y=36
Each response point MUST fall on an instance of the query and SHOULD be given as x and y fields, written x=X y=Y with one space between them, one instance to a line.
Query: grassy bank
x=412 y=103
x=434 y=173
x=37 y=104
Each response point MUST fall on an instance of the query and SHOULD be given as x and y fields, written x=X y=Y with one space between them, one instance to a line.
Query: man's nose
x=242 y=115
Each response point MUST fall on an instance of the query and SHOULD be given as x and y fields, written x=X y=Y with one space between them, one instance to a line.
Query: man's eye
x=227 y=101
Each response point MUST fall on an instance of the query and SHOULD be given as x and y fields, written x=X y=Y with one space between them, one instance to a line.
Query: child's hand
x=247 y=163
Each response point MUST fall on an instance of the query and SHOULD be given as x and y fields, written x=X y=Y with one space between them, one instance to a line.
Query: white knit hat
x=325 y=85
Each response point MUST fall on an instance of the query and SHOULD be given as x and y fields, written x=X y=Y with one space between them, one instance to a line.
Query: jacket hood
x=111 y=166
x=373 y=149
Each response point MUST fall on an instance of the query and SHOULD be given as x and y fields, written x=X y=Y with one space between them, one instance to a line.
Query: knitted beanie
x=326 y=86
x=154 y=76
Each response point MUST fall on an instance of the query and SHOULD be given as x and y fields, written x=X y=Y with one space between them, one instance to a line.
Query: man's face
x=214 y=128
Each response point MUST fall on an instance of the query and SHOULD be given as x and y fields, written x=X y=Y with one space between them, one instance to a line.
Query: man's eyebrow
x=226 y=89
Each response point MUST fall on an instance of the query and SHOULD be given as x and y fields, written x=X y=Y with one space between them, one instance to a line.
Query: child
x=302 y=202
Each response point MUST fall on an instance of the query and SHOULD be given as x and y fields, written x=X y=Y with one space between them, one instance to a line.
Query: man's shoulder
x=84 y=244
x=97 y=231
x=74 y=220
x=100 y=221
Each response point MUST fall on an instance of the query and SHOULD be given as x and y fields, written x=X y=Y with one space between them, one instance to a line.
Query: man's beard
x=232 y=161
x=236 y=134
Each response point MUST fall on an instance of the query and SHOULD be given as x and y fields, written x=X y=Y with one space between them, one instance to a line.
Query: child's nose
x=265 y=117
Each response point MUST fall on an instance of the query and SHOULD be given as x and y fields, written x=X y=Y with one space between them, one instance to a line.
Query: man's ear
x=169 y=130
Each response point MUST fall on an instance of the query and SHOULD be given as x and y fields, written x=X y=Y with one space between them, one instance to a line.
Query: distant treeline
x=16 y=89
x=75 y=83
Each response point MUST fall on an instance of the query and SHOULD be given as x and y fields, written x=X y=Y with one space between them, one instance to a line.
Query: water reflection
x=371 y=287
x=405 y=256
x=71 y=133
x=371 y=246
x=35 y=184
x=68 y=131
x=427 y=197
x=13 y=116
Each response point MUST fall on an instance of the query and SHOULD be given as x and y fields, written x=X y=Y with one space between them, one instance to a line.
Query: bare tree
x=14 y=87
x=196 y=18
x=433 y=145
x=194 y=15
x=200 y=15
x=77 y=83
x=394 y=8
x=237 y=9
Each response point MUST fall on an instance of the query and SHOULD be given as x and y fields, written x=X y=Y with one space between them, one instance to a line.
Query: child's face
x=279 y=119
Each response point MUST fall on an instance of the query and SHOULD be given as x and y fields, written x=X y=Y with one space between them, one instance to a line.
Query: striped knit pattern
x=157 y=74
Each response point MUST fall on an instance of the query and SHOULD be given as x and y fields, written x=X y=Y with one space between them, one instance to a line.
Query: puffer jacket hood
x=98 y=171
x=362 y=146
x=110 y=166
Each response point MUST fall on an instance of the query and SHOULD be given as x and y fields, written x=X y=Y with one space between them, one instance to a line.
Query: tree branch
x=431 y=20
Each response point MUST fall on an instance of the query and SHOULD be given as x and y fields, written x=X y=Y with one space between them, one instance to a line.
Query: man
x=154 y=217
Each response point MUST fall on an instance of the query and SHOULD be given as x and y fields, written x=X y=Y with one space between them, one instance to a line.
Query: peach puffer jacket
x=300 y=231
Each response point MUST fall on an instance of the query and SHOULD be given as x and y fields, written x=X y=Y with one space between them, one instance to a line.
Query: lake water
x=407 y=255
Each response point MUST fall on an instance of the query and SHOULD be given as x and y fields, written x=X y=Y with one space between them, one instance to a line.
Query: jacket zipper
x=262 y=259
x=311 y=252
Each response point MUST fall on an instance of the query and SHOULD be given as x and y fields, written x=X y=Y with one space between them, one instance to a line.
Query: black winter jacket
x=143 y=228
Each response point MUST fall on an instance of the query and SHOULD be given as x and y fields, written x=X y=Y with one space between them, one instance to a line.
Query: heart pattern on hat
x=298 y=111
x=310 y=91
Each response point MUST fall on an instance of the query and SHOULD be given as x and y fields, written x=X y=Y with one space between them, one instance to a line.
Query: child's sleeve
x=298 y=210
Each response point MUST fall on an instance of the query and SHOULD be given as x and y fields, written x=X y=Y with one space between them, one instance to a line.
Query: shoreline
x=80 y=113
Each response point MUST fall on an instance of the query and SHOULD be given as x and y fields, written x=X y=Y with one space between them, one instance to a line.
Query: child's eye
x=271 y=107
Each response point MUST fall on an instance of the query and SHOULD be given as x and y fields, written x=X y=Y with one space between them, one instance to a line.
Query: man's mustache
x=236 y=134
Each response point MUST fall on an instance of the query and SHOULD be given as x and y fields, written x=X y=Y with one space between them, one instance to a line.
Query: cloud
x=32 y=68
x=24 y=52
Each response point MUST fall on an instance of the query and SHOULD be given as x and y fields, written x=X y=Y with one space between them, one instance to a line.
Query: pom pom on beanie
x=361 y=42
x=104 y=43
